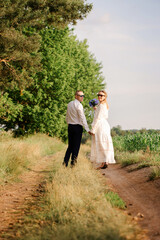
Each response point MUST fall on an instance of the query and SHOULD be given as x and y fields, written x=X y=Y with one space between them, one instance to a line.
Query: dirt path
x=142 y=197
x=14 y=197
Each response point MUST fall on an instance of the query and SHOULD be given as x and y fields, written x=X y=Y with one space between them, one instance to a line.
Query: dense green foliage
x=19 y=58
x=67 y=66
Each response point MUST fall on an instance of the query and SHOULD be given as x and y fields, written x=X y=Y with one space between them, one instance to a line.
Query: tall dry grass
x=19 y=153
x=78 y=207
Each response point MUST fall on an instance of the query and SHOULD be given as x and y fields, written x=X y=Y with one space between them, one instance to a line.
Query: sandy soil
x=142 y=197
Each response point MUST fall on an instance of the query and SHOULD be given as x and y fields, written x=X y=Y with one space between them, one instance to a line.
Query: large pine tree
x=19 y=57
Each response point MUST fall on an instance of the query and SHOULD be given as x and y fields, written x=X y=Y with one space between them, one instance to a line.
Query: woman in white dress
x=102 y=147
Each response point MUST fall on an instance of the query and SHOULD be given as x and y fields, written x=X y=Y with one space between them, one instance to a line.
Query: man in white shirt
x=75 y=119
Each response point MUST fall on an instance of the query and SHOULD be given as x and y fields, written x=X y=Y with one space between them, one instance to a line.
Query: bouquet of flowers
x=94 y=102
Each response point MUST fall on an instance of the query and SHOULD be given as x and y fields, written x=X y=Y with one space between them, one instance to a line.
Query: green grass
x=155 y=173
x=127 y=158
x=115 y=200
x=143 y=165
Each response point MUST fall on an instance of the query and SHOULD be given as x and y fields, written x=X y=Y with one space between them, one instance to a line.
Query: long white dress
x=101 y=146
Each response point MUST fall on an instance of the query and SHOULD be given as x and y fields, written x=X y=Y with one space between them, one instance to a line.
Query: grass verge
x=140 y=160
x=155 y=173
x=17 y=154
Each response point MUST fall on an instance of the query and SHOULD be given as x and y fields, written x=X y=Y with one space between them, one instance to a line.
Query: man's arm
x=82 y=117
x=67 y=115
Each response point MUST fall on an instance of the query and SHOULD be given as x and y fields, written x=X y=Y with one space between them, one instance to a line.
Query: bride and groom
x=101 y=147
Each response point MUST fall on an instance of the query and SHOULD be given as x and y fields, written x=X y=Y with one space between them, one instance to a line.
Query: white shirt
x=75 y=114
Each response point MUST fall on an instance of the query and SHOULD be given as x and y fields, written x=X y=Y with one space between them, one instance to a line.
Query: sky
x=124 y=35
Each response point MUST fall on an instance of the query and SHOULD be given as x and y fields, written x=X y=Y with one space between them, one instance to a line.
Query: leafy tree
x=9 y=111
x=67 y=66
x=19 y=58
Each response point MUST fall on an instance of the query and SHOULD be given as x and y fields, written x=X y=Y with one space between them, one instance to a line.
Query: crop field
x=143 y=142
x=141 y=149
x=138 y=141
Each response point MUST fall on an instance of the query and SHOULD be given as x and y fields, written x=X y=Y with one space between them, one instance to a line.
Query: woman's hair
x=105 y=96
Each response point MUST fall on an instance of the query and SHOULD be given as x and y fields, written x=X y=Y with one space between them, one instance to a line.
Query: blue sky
x=124 y=35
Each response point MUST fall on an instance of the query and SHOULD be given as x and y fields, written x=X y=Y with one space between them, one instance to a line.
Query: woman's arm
x=97 y=117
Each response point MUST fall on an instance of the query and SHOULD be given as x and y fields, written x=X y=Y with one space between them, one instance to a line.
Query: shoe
x=105 y=166
x=64 y=164
x=100 y=167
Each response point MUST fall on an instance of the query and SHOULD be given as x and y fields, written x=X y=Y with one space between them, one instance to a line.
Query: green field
x=142 y=149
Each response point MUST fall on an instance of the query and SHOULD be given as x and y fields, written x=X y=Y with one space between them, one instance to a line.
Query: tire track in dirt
x=142 y=197
x=15 y=197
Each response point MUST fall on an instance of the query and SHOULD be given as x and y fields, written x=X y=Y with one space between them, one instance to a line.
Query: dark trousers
x=74 y=141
